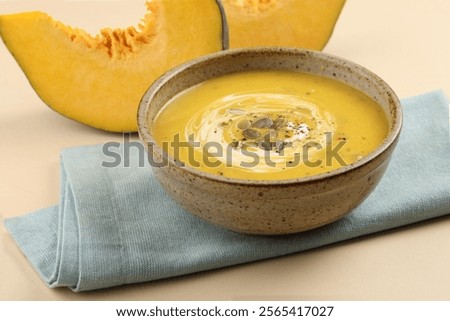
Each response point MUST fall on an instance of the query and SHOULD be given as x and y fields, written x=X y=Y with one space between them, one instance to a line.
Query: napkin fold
x=117 y=226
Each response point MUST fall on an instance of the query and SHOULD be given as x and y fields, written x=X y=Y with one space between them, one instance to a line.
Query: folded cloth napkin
x=117 y=226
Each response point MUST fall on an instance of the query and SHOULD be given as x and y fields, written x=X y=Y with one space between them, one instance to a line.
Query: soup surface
x=268 y=125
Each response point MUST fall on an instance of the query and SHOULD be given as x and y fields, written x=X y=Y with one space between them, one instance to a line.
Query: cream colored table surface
x=406 y=42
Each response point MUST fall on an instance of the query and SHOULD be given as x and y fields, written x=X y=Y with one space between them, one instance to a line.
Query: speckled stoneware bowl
x=270 y=207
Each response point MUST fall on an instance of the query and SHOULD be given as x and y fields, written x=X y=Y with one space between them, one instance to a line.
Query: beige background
x=406 y=42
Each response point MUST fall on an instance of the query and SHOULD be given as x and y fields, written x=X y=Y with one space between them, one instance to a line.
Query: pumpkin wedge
x=99 y=80
x=290 y=23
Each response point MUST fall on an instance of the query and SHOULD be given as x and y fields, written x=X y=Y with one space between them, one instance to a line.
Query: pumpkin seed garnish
x=264 y=122
x=251 y=133
x=244 y=124
x=280 y=146
x=234 y=144
x=279 y=123
x=247 y=145
x=263 y=132
x=273 y=134
x=265 y=146
x=236 y=111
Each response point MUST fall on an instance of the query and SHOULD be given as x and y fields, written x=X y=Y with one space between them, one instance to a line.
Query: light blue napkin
x=117 y=226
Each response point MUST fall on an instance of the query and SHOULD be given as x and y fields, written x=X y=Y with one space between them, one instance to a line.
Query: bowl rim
x=146 y=138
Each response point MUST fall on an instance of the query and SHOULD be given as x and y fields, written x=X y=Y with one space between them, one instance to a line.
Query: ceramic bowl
x=280 y=206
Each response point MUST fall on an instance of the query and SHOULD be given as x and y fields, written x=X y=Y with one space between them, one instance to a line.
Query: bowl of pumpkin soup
x=269 y=140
